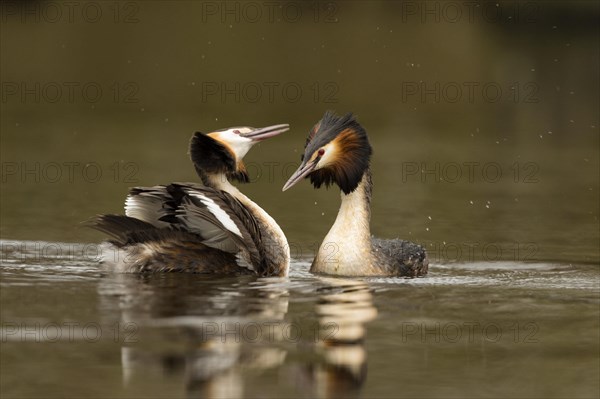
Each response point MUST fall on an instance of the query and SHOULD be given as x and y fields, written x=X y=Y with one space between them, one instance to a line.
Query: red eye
x=236 y=131
x=321 y=152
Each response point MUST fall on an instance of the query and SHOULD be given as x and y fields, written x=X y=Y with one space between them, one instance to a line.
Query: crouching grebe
x=338 y=151
x=210 y=228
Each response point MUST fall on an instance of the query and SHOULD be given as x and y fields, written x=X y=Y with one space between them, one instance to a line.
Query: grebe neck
x=347 y=247
x=275 y=245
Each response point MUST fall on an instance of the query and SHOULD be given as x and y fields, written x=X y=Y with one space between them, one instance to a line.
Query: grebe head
x=222 y=151
x=337 y=151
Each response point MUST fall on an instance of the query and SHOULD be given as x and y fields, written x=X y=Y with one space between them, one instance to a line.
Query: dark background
x=483 y=115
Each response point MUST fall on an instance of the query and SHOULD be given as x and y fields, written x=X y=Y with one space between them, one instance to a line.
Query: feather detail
x=235 y=224
x=150 y=204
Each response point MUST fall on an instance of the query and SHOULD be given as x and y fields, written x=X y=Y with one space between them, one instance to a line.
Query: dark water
x=476 y=329
x=486 y=150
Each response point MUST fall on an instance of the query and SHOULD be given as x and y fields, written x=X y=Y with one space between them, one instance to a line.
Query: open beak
x=303 y=171
x=266 y=132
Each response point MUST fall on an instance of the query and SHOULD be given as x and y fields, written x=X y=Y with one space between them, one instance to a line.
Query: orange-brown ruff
x=210 y=228
x=338 y=151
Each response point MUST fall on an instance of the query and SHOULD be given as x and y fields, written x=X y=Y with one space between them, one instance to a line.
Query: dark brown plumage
x=211 y=157
x=354 y=151
x=175 y=250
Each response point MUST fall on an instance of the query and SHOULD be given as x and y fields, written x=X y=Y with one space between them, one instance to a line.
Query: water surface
x=472 y=329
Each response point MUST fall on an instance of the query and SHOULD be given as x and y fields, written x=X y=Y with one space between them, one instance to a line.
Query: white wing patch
x=213 y=236
x=219 y=213
x=145 y=208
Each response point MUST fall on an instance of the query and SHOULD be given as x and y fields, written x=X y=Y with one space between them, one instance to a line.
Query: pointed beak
x=266 y=132
x=303 y=171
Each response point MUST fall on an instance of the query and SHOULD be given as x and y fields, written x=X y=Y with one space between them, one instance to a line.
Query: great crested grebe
x=209 y=228
x=338 y=151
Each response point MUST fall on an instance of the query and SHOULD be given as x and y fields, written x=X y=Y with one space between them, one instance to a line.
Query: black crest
x=212 y=157
x=354 y=153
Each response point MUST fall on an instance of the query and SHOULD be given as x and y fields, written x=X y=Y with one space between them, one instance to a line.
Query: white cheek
x=240 y=145
x=328 y=157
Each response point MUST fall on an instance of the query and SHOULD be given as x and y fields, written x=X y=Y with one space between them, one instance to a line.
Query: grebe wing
x=220 y=219
x=150 y=204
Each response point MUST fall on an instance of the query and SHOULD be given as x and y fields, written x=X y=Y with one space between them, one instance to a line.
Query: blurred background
x=483 y=115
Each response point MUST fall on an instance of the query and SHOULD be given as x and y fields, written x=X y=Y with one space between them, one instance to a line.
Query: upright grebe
x=338 y=151
x=210 y=228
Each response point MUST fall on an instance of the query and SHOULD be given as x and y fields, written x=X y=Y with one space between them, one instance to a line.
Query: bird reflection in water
x=343 y=308
x=198 y=333
x=208 y=337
